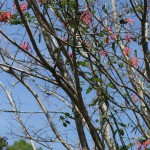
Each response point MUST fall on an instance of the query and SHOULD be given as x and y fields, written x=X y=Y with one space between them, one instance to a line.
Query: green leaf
x=68 y=122
x=58 y=29
x=62 y=118
x=67 y=114
x=65 y=124
x=97 y=79
x=101 y=35
x=100 y=44
x=123 y=148
x=82 y=63
x=94 y=102
x=72 y=3
x=39 y=37
x=123 y=125
x=89 y=90
x=104 y=117
x=113 y=60
x=121 y=132
x=129 y=145
x=36 y=22
x=93 y=12
x=111 y=85
x=115 y=132
x=113 y=47
x=64 y=2
x=96 y=120
x=57 y=50
x=121 y=64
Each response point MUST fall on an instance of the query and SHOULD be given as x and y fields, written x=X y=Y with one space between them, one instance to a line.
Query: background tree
x=21 y=145
x=86 y=63
x=3 y=143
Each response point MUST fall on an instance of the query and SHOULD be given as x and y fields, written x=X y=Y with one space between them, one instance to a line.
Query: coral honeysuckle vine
x=85 y=65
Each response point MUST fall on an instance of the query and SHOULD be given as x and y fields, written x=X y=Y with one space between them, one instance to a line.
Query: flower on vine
x=143 y=144
x=25 y=46
x=134 y=61
x=102 y=53
x=63 y=41
x=108 y=29
x=2 y=16
x=5 y=16
x=127 y=51
x=70 y=55
x=86 y=17
x=86 y=43
x=113 y=36
x=135 y=98
x=129 y=20
x=24 y=6
x=128 y=38
x=107 y=39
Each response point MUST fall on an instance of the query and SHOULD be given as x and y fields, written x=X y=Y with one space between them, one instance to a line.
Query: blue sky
x=25 y=101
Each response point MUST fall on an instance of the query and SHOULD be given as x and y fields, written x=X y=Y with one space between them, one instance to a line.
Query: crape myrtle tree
x=86 y=64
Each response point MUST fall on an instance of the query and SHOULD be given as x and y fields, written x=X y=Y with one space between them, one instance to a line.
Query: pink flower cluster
x=108 y=29
x=70 y=55
x=135 y=98
x=25 y=46
x=128 y=38
x=86 y=42
x=23 y=6
x=143 y=144
x=64 y=41
x=134 y=61
x=5 y=16
x=127 y=51
x=102 y=53
x=129 y=20
x=86 y=17
x=112 y=35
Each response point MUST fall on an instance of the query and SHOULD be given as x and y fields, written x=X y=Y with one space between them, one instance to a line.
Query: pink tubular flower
x=25 y=46
x=5 y=16
x=24 y=6
x=108 y=29
x=129 y=20
x=113 y=36
x=107 y=39
x=102 y=53
x=9 y=15
x=134 y=61
x=128 y=38
x=143 y=144
x=86 y=17
x=127 y=51
x=86 y=42
x=135 y=98
x=70 y=55
x=64 y=41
